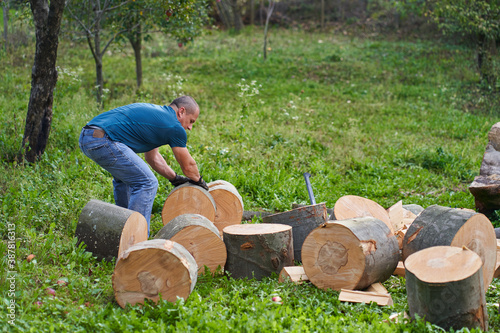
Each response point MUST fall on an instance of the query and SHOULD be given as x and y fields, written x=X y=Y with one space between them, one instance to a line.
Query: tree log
x=200 y=237
x=352 y=206
x=445 y=286
x=258 y=250
x=444 y=226
x=302 y=220
x=108 y=230
x=350 y=254
x=188 y=199
x=153 y=268
x=228 y=203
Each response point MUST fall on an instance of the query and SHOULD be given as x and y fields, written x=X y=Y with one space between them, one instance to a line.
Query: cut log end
x=188 y=199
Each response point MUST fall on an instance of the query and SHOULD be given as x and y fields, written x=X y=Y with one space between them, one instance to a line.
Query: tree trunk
x=5 y=9
x=445 y=287
x=252 y=12
x=136 y=42
x=98 y=63
x=258 y=250
x=108 y=230
x=228 y=203
x=350 y=254
x=270 y=10
x=200 y=237
x=237 y=21
x=47 y=21
x=444 y=226
x=322 y=17
x=188 y=199
x=151 y=269
x=302 y=220
x=485 y=60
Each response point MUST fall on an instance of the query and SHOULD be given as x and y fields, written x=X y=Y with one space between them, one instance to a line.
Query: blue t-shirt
x=142 y=126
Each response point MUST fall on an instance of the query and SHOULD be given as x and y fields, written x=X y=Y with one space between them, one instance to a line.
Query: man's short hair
x=187 y=102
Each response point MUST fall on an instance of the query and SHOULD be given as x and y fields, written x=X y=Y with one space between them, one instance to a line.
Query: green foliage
x=387 y=120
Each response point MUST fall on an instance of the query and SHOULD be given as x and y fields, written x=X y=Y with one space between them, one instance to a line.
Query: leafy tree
x=47 y=18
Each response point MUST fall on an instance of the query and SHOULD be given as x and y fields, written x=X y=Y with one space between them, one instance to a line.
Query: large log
x=302 y=220
x=444 y=285
x=188 y=199
x=200 y=237
x=258 y=250
x=352 y=206
x=108 y=230
x=153 y=268
x=444 y=226
x=350 y=254
x=228 y=203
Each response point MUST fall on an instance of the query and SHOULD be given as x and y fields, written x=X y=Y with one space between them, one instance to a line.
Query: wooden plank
x=400 y=270
x=358 y=296
x=295 y=274
x=377 y=288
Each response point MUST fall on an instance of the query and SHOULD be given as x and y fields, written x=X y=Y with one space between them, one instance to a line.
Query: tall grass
x=386 y=120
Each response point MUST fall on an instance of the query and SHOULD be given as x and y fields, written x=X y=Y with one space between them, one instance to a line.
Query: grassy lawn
x=385 y=119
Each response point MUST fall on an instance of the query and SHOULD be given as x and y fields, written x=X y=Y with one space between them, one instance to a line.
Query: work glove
x=179 y=180
x=200 y=183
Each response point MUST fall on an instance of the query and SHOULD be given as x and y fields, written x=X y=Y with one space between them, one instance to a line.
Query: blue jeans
x=134 y=183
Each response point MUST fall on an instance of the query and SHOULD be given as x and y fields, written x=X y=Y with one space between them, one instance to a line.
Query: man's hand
x=200 y=183
x=179 y=180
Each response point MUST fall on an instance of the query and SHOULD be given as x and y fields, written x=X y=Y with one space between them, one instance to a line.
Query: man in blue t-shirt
x=114 y=138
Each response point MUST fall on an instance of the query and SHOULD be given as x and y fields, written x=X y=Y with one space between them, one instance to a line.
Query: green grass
x=388 y=120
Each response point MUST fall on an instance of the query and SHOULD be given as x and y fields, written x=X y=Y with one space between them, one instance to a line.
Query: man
x=114 y=138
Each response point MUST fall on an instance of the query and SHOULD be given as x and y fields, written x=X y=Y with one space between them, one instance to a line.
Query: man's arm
x=187 y=163
x=158 y=163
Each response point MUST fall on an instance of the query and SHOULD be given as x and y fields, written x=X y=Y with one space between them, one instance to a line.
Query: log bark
x=228 y=203
x=444 y=226
x=153 y=269
x=295 y=274
x=445 y=286
x=414 y=208
x=352 y=206
x=258 y=250
x=188 y=199
x=200 y=237
x=302 y=220
x=350 y=254
x=108 y=230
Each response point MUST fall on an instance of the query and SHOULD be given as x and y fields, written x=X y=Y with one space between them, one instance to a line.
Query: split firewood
x=302 y=220
x=377 y=287
x=352 y=206
x=438 y=225
x=350 y=254
x=396 y=215
x=257 y=250
x=188 y=199
x=200 y=237
x=295 y=274
x=228 y=203
x=444 y=285
x=358 y=296
x=108 y=230
x=153 y=269
x=400 y=269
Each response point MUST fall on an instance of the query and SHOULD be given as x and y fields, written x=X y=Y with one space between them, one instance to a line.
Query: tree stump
x=444 y=226
x=188 y=199
x=151 y=268
x=200 y=237
x=352 y=206
x=350 y=254
x=108 y=230
x=445 y=287
x=258 y=250
x=302 y=220
x=228 y=203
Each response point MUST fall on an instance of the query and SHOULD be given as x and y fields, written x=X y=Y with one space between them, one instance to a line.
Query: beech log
x=444 y=286
x=444 y=226
x=188 y=199
x=228 y=203
x=258 y=250
x=108 y=230
x=350 y=254
x=200 y=237
x=302 y=220
x=352 y=206
x=152 y=268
